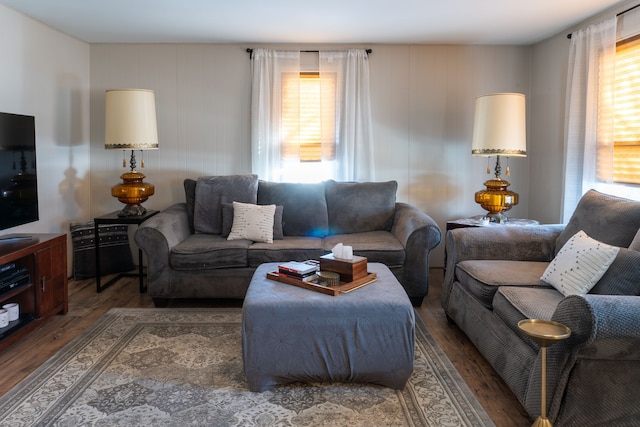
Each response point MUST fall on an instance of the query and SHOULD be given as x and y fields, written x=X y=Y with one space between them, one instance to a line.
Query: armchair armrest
x=517 y=243
x=419 y=234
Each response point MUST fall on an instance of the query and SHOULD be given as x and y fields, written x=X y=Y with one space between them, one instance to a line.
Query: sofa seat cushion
x=207 y=251
x=513 y=304
x=483 y=277
x=291 y=248
x=376 y=246
x=356 y=207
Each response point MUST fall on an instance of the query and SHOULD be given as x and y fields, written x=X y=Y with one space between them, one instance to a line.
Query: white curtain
x=354 y=145
x=354 y=150
x=268 y=65
x=589 y=110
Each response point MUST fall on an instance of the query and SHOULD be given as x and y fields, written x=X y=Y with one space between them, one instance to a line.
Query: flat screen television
x=18 y=177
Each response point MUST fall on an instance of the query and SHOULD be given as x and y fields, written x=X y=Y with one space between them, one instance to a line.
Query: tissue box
x=349 y=269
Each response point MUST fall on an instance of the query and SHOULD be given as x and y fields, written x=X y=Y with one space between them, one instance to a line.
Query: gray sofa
x=493 y=280
x=189 y=254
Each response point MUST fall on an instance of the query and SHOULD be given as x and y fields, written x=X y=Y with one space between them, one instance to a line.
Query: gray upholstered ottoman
x=292 y=334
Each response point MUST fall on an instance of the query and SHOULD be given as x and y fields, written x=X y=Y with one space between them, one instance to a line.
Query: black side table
x=113 y=218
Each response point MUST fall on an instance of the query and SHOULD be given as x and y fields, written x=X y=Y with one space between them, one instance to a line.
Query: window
x=308 y=124
x=308 y=117
x=626 y=147
x=311 y=126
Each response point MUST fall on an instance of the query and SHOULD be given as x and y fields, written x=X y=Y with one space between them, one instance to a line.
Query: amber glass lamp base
x=132 y=192
x=496 y=199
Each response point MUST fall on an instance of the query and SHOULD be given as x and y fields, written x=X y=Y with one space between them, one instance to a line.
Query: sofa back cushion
x=635 y=243
x=608 y=219
x=212 y=191
x=357 y=207
x=304 y=208
x=622 y=277
x=190 y=199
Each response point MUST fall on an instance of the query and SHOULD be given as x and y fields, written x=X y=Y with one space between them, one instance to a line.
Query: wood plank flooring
x=490 y=390
x=86 y=306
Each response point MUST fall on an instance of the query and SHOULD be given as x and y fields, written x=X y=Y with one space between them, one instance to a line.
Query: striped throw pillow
x=579 y=265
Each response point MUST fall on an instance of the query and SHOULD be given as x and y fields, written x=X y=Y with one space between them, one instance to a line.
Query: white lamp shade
x=130 y=120
x=500 y=125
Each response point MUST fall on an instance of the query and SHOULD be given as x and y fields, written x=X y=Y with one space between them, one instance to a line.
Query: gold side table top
x=544 y=332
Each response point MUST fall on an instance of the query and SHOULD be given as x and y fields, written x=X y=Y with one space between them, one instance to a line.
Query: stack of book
x=304 y=271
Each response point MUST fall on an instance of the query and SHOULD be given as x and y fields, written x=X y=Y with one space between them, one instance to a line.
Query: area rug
x=183 y=367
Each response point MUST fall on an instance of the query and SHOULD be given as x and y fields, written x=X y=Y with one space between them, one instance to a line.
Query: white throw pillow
x=252 y=222
x=579 y=265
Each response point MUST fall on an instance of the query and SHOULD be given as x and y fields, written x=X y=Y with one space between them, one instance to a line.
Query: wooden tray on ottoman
x=328 y=290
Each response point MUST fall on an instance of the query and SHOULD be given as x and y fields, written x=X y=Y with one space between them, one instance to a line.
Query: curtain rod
x=250 y=51
x=617 y=14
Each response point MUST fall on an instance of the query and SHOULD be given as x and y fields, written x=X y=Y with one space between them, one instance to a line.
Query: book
x=300 y=268
x=309 y=278
x=291 y=273
x=296 y=275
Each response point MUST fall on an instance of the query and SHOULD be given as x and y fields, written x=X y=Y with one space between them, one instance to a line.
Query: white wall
x=546 y=124
x=422 y=101
x=45 y=73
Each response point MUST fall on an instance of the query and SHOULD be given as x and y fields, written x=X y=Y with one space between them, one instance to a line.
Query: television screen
x=18 y=178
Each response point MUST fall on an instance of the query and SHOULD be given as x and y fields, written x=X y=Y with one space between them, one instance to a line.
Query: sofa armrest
x=419 y=234
x=156 y=237
x=602 y=353
x=603 y=327
x=517 y=243
x=168 y=228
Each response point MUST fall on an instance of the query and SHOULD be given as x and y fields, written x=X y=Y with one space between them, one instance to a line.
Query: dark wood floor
x=86 y=306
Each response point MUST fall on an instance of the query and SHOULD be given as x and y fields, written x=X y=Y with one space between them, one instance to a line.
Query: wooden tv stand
x=45 y=294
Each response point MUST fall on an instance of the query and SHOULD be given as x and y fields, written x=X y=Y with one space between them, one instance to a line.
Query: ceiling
x=328 y=21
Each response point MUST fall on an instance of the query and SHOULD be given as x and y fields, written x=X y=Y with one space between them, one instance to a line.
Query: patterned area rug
x=183 y=367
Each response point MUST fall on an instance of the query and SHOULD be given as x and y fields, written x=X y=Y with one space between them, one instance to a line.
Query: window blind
x=626 y=147
x=308 y=117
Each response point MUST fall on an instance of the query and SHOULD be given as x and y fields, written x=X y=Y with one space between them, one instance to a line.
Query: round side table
x=477 y=221
x=545 y=333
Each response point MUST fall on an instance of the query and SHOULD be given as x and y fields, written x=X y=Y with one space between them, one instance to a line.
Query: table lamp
x=130 y=124
x=499 y=130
